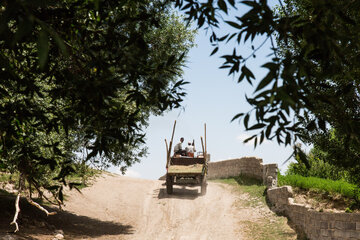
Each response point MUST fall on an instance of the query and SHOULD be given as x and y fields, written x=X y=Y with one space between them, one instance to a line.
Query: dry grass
x=261 y=223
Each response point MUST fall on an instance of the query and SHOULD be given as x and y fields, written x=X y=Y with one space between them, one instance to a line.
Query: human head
x=189 y=143
x=181 y=139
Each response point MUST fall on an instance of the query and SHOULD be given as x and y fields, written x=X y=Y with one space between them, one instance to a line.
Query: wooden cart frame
x=186 y=171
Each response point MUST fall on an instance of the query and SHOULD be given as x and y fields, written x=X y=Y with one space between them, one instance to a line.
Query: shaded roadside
x=33 y=222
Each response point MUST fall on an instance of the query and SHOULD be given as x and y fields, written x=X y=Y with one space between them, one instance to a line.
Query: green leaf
x=248 y=74
x=262 y=137
x=222 y=5
x=43 y=48
x=268 y=130
x=246 y=121
x=250 y=3
x=60 y=43
x=303 y=157
x=237 y=116
x=287 y=139
x=231 y=36
x=265 y=81
x=214 y=51
x=249 y=139
x=234 y=24
x=170 y=60
x=257 y=126
x=232 y=2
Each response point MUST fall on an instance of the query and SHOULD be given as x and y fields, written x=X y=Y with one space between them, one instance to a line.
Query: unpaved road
x=123 y=208
x=152 y=214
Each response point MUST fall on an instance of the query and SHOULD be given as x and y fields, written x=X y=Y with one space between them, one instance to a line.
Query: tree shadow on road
x=178 y=193
x=32 y=221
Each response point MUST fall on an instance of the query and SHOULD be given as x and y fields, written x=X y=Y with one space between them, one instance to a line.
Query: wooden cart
x=186 y=171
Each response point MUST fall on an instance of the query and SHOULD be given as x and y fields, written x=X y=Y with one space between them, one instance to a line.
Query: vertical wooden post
x=170 y=145
x=205 y=143
x=167 y=153
x=202 y=145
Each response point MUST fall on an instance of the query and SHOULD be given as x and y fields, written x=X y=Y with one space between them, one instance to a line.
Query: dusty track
x=153 y=214
x=123 y=208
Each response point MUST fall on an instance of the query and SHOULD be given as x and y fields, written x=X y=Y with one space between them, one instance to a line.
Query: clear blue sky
x=213 y=98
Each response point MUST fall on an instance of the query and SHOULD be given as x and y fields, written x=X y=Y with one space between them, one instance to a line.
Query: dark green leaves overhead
x=312 y=80
x=79 y=80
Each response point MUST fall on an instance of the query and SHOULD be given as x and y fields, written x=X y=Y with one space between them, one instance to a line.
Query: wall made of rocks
x=313 y=224
x=246 y=166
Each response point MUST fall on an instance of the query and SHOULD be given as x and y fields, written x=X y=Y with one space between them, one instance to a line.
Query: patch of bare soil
x=322 y=202
x=258 y=222
x=117 y=207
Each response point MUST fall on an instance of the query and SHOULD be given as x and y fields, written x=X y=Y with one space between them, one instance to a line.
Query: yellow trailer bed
x=183 y=169
x=186 y=171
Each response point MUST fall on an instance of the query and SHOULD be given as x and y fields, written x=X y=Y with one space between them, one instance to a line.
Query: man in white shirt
x=178 y=148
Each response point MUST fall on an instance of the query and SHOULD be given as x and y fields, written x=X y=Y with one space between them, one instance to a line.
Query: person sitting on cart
x=178 y=150
x=190 y=149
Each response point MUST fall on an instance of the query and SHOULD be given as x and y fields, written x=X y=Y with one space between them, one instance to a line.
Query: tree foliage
x=317 y=168
x=312 y=79
x=333 y=149
x=84 y=74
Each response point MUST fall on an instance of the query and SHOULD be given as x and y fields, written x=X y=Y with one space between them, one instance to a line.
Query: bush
x=337 y=150
x=318 y=168
x=319 y=184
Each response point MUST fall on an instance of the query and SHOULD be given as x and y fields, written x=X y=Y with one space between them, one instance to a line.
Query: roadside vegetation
x=252 y=187
x=262 y=224
x=319 y=184
x=322 y=179
x=81 y=179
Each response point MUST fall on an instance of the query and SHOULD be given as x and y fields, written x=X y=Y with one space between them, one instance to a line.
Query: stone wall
x=313 y=224
x=246 y=166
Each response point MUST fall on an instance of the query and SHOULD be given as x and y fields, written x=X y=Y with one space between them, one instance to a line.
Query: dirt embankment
x=117 y=207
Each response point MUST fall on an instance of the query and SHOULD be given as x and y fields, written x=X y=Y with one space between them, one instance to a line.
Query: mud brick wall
x=247 y=166
x=313 y=224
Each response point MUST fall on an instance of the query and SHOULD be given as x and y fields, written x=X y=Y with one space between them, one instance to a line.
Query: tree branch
x=17 y=210
x=40 y=207
x=256 y=49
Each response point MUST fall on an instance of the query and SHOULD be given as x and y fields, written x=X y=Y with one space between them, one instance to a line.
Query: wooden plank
x=187 y=160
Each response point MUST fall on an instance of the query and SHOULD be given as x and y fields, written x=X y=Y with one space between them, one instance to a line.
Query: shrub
x=319 y=184
x=318 y=168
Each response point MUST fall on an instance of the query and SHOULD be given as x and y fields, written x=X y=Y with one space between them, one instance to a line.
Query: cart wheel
x=203 y=186
x=169 y=184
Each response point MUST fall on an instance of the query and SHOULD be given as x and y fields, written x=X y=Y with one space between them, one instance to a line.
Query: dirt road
x=123 y=208
x=152 y=214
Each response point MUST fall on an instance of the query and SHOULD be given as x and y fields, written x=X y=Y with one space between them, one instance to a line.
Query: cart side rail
x=186 y=161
